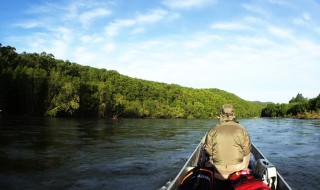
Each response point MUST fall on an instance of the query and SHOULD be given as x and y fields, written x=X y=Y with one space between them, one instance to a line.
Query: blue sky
x=264 y=50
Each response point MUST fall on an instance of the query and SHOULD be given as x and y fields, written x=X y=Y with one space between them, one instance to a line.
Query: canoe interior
x=193 y=160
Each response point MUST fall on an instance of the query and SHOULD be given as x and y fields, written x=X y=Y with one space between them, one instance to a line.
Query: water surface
x=51 y=153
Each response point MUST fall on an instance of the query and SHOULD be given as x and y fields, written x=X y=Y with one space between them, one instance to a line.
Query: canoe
x=257 y=158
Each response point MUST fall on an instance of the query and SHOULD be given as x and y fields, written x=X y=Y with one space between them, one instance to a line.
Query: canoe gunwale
x=282 y=184
x=191 y=163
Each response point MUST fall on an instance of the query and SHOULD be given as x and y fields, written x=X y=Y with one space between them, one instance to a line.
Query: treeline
x=298 y=107
x=39 y=84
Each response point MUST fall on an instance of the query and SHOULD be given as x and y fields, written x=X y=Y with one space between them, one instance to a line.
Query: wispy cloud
x=87 y=17
x=230 y=26
x=304 y=19
x=257 y=9
x=113 y=28
x=65 y=13
x=140 y=21
x=187 y=4
x=63 y=26
x=281 y=32
x=201 y=40
x=279 y=2
x=30 y=24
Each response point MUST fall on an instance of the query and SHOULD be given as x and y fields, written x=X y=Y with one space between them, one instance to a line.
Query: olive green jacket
x=227 y=143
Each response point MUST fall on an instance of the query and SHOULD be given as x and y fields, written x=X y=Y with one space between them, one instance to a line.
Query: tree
x=64 y=95
x=298 y=99
x=314 y=104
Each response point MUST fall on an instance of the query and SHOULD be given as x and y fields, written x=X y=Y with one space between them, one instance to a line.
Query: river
x=55 y=153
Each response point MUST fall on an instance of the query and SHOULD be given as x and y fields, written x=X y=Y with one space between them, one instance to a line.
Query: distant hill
x=39 y=84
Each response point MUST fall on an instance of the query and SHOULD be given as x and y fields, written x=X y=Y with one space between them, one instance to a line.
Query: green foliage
x=298 y=107
x=298 y=99
x=40 y=84
x=314 y=104
x=275 y=110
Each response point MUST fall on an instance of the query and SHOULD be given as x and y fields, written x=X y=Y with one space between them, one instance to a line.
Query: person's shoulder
x=241 y=127
x=238 y=125
x=214 y=128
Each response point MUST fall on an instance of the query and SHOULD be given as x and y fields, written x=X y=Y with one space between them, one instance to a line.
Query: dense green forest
x=39 y=84
x=298 y=107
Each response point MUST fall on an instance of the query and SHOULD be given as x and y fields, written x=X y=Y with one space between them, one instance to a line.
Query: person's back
x=228 y=144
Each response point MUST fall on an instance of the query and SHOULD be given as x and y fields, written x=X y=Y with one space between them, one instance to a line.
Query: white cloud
x=67 y=12
x=109 y=47
x=87 y=17
x=64 y=33
x=91 y=38
x=279 y=2
x=139 y=22
x=253 y=20
x=254 y=8
x=84 y=56
x=45 y=8
x=303 y=19
x=29 y=24
x=152 y=17
x=230 y=26
x=255 y=41
x=138 y=30
x=187 y=4
x=113 y=28
x=280 y=32
x=201 y=40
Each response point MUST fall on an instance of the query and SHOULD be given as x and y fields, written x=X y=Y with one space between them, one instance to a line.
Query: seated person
x=228 y=145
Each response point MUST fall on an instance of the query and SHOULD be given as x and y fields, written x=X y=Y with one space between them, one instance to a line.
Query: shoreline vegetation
x=40 y=85
x=298 y=107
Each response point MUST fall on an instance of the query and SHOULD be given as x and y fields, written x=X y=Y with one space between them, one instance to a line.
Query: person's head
x=227 y=113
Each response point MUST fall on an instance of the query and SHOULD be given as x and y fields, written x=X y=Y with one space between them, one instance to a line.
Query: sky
x=260 y=50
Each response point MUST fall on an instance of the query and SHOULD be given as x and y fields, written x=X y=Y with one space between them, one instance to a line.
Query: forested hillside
x=39 y=84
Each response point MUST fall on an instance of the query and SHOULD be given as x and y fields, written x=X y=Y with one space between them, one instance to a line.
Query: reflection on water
x=51 y=153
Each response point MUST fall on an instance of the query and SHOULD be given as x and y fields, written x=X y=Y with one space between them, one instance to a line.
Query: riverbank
x=308 y=115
